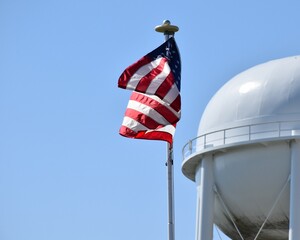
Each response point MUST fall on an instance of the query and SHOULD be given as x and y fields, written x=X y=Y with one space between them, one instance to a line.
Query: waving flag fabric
x=158 y=73
x=154 y=106
x=148 y=117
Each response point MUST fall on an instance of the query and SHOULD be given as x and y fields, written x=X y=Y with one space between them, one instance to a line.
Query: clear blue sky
x=65 y=173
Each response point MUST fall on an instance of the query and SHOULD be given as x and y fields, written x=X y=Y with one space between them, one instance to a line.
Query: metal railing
x=241 y=134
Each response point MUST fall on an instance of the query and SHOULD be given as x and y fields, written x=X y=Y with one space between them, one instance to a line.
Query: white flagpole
x=169 y=30
x=171 y=212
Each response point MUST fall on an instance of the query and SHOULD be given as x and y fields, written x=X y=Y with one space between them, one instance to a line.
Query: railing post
x=279 y=129
x=249 y=132
x=191 y=146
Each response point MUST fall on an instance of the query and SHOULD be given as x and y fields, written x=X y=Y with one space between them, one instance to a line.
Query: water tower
x=246 y=158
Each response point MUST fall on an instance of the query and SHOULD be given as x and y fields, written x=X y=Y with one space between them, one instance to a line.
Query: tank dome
x=264 y=93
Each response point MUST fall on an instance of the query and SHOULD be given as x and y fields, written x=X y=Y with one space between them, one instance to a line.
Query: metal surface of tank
x=248 y=126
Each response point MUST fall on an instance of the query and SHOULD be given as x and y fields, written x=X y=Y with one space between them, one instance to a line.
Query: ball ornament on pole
x=167 y=29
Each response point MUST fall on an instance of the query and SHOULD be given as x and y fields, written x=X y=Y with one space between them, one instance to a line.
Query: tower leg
x=294 y=229
x=205 y=199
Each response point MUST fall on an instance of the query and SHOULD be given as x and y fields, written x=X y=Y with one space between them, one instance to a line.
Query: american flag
x=154 y=107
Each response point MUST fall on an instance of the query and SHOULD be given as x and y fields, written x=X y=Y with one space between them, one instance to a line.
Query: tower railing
x=241 y=134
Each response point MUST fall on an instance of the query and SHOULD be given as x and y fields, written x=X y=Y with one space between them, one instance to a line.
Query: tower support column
x=294 y=229
x=205 y=199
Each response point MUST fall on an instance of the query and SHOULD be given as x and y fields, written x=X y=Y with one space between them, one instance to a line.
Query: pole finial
x=167 y=28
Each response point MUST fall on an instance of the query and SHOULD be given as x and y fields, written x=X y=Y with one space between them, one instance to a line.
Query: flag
x=154 y=107
x=158 y=73
x=148 y=117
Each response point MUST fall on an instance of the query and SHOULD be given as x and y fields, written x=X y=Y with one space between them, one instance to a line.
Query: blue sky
x=65 y=173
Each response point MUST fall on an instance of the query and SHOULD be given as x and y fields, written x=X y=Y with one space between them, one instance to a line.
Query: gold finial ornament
x=167 y=28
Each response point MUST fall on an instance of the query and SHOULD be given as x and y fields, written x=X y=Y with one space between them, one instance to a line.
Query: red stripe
x=131 y=70
x=176 y=104
x=143 y=119
x=154 y=135
x=127 y=132
x=165 y=87
x=161 y=109
x=148 y=78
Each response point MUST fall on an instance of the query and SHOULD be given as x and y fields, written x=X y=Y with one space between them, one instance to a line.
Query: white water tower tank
x=249 y=133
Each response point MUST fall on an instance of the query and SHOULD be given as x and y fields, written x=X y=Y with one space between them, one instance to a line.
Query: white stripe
x=172 y=94
x=165 y=103
x=136 y=127
x=133 y=125
x=148 y=111
x=162 y=102
x=141 y=72
x=168 y=128
x=158 y=80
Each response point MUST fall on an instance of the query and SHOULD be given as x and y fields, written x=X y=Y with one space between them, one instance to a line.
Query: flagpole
x=169 y=30
x=170 y=176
